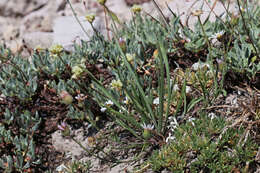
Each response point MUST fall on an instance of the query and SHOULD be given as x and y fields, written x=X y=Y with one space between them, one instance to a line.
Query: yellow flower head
x=56 y=49
x=39 y=49
x=136 y=9
x=101 y=2
x=90 y=18
x=116 y=84
x=76 y=70
x=130 y=57
x=197 y=12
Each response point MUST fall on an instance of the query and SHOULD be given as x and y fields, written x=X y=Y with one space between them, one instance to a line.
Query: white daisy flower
x=217 y=35
x=109 y=103
x=148 y=126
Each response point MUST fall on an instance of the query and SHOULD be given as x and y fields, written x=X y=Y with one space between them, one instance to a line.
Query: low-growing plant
x=18 y=153
x=196 y=147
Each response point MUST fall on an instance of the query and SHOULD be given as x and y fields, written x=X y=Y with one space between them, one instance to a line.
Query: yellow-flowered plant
x=56 y=50
x=102 y=2
x=116 y=84
x=197 y=13
x=136 y=9
x=77 y=71
x=90 y=18
x=130 y=57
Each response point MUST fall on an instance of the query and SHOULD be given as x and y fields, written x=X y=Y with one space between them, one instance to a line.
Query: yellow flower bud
x=102 y=2
x=146 y=134
x=122 y=44
x=90 y=18
x=147 y=130
x=91 y=141
x=197 y=12
x=130 y=57
x=38 y=49
x=76 y=70
x=136 y=9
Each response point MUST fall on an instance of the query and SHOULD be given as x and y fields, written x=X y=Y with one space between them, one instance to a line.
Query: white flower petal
x=148 y=126
x=176 y=87
x=212 y=115
x=109 y=103
x=156 y=101
x=103 y=109
x=188 y=89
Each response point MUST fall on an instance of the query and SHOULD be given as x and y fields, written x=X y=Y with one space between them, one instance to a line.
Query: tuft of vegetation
x=200 y=146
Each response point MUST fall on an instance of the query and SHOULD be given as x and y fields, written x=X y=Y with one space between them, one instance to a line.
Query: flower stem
x=75 y=15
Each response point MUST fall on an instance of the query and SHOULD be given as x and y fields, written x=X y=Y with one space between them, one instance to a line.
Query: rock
x=185 y=8
x=67 y=30
x=68 y=146
x=16 y=46
x=9 y=28
x=82 y=9
x=39 y=21
x=42 y=39
x=20 y=7
x=120 y=9
x=10 y=32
